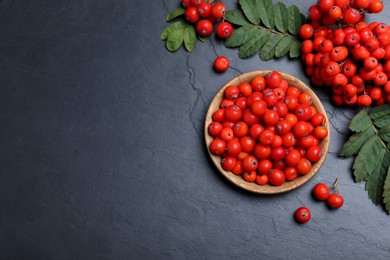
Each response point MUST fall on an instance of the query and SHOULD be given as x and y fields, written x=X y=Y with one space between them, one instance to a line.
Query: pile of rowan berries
x=205 y=15
x=345 y=53
x=267 y=131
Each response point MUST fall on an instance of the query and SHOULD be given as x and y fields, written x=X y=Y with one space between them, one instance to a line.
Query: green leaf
x=175 y=13
x=366 y=159
x=382 y=121
x=281 y=17
x=384 y=133
x=360 y=122
x=386 y=192
x=240 y=36
x=295 y=50
x=268 y=50
x=175 y=40
x=356 y=141
x=254 y=44
x=236 y=17
x=294 y=19
x=189 y=38
x=248 y=7
x=171 y=28
x=266 y=12
x=284 y=46
x=379 y=111
x=376 y=181
x=201 y=38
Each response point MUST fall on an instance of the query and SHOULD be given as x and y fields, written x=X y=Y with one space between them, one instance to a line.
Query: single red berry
x=192 y=14
x=306 y=31
x=224 y=30
x=218 y=10
x=335 y=12
x=221 y=64
x=351 y=16
x=364 y=100
x=335 y=200
x=325 y=5
x=204 y=9
x=196 y=2
x=321 y=191
x=376 y=6
x=302 y=215
x=273 y=79
x=186 y=3
x=204 y=27
x=315 y=12
x=363 y=4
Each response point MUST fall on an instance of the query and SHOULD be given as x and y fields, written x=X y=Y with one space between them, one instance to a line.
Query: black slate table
x=103 y=154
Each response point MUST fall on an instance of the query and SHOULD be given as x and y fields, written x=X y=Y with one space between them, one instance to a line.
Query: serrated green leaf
x=266 y=12
x=248 y=7
x=254 y=44
x=376 y=180
x=240 y=36
x=284 y=46
x=295 y=50
x=281 y=17
x=171 y=28
x=236 y=17
x=268 y=50
x=356 y=141
x=294 y=19
x=366 y=159
x=189 y=38
x=175 y=40
x=386 y=192
x=360 y=122
x=379 y=111
x=382 y=121
x=175 y=13
x=384 y=133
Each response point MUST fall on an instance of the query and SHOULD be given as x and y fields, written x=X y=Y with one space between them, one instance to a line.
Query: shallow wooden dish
x=238 y=180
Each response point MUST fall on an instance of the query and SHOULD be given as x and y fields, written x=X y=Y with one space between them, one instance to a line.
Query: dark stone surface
x=103 y=156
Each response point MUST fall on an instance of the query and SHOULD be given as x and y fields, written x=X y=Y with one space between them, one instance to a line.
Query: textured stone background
x=103 y=156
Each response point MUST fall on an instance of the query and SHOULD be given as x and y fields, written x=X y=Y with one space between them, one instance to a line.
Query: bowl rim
x=237 y=179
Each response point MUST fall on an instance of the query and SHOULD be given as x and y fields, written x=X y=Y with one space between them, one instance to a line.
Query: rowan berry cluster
x=343 y=52
x=205 y=15
x=267 y=131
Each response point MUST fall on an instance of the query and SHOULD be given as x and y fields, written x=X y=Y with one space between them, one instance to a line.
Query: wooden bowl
x=237 y=179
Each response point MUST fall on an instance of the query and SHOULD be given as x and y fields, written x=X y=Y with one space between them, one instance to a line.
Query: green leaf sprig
x=263 y=26
x=179 y=32
x=371 y=145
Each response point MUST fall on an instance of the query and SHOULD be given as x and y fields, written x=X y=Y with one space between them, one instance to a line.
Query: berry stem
x=335 y=185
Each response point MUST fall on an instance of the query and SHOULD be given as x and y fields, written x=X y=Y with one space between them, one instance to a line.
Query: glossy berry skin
x=204 y=9
x=221 y=64
x=306 y=31
x=302 y=215
x=321 y=191
x=335 y=201
x=218 y=10
x=224 y=30
x=217 y=147
x=204 y=28
x=276 y=177
x=351 y=16
x=192 y=14
x=273 y=79
x=196 y=2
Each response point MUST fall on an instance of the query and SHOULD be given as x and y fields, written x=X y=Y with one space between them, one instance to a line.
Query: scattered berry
x=221 y=64
x=302 y=215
